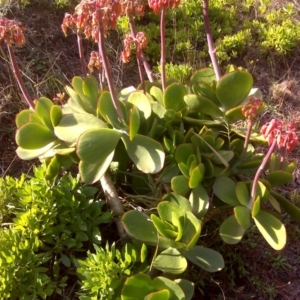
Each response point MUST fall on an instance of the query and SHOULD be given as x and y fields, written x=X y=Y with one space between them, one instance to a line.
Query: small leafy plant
x=180 y=137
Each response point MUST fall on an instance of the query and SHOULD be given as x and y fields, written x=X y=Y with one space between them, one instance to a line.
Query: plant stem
x=259 y=171
x=18 y=77
x=142 y=55
x=163 y=48
x=113 y=201
x=106 y=67
x=138 y=54
x=211 y=47
x=249 y=128
x=81 y=55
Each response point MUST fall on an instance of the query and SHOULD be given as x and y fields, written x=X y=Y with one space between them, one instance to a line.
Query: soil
x=49 y=61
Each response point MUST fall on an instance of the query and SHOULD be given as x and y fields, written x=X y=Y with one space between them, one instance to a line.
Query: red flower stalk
x=12 y=33
x=250 y=110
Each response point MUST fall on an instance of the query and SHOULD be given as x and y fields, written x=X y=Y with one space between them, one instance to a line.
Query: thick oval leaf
x=35 y=153
x=176 y=293
x=206 y=75
x=233 y=88
x=145 y=231
x=42 y=109
x=180 y=185
x=206 y=90
x=242 y=193
x=277 y=178
x=290 y=208
x=137 y=287
x=91 y=173
x=234 y=114
x=95 y=145
x=170 y=261
x=242 y=215
x=183 y=152
x=271 y=229
x=159 y=295
x=157 y=94
x=205 y=258
x=182 y=202
x=90 y=88
x=173 y=97
x=191 y=230
x=199 y=200
x=72 y=126
x=34 y=136
x=202 y=105
x=141 y=101
x=187 y=287
x=24 y=117
x=55 y=115
x=224 y=188
x=231 y=231
x=146 y=153
x=197 y=175
x=134 y=122
x=165 y=229
x=107 y=110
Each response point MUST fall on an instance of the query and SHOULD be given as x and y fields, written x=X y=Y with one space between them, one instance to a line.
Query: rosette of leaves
x=176 y=230
x=248 y=208
x=87 y=130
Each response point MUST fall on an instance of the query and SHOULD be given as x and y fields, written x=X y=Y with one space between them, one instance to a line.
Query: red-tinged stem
x=81 y=55
x=163 y=48
x=260 y=170
x=211 y=47
x=107 y=69
x=249 y=128
x=18 y=77
x=138 y=54
x=142 y=55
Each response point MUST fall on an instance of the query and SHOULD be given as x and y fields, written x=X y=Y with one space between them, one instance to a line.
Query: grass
x=49 y=60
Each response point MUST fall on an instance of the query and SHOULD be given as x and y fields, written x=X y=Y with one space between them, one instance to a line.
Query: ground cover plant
x=180 y=140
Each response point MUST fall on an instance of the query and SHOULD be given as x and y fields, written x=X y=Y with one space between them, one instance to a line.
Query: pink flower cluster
x=86 y=17
x=251 y=108
x=283 y=132
x=132 y=7
x=95 y=61
x=11 y=32
x=156 y=5
x=140 y=41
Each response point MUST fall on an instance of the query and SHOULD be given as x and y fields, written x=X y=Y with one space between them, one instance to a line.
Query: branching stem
x=259 y=171
x=163 y=48
x=211 y=47
x=81 y=55
x=142 y=57
x=106 y=66
x=18 y=77
x=113 y=201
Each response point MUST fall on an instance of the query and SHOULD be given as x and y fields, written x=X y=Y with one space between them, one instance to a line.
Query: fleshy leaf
x=231 y=231
x=144 y=232
x=242 y=193
x=187 y=287
x=206 y=75
x=42 y=109
x=91 y=173
x=180 y=185
x=233 y=88
x=202 y=105
x=170 y=261
x=272 y=229
x=199 y=200
x=173 y=97
x=242 y=215
x=277 y=178
x=34 y=136
x=134 y=122
x=205 y=258
x=146 y=153
x=224 y=188
x=176 y=293
x=95 y=145
x=141 y=101
x=72 y=126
